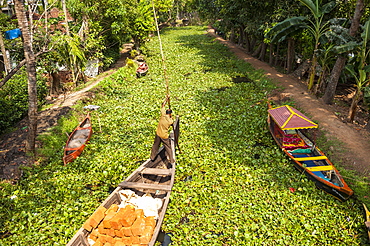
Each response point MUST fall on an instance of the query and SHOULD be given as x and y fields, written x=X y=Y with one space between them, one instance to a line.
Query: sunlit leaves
x=232 y=182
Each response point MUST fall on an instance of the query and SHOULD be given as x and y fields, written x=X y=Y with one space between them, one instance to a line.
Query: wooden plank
x=320 y=168
x=135 y=185
x=156 y=171
x=311 y=158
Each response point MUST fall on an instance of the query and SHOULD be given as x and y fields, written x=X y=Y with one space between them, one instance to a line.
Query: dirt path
x=12 y=145
x=356 y=141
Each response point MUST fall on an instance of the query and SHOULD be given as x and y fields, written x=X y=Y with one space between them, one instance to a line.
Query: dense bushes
x=14 y=99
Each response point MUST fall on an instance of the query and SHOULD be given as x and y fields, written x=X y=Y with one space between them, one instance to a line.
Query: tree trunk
x=241 y=36
x=55 y=83
x=252 y=44
x=262 y=52
x=333 y=81
x=247 y=43
x=290 y=55
x=337 y=69
x=353 y=109
x=312 y=73
x=5 y=57
x=232 y=34
x=277 y=54
x=31 y=73
x=271 y=54
x=302 y=69
x=257 y=51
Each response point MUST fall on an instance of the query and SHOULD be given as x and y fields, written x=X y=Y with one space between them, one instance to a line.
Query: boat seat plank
x=135 y=185
x=320 y=168
x=156 y=171
x=311 y=158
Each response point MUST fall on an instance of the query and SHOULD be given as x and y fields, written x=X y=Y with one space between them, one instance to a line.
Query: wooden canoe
x=152 y=178
x=77 y=140
x=286 y=126
x=367 y=220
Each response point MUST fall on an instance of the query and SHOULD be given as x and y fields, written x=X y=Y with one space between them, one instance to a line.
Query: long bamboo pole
x=163 y=59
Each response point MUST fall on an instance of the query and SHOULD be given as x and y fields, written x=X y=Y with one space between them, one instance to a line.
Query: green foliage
x=14 y=99
x=232 y=181
x=70 y=53
x=143 y=23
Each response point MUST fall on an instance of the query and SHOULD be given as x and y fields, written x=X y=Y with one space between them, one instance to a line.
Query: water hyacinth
x=232 y=183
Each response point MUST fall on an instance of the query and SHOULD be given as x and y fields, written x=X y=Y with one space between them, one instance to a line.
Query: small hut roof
x=288 y=118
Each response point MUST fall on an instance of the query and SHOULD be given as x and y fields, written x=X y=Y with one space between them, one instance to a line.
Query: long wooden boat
x=367 y=220
x=77 y=140
x=287 y=126
x=153 y=181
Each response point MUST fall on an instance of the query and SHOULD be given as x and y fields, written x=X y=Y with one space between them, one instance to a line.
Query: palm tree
x=316 y=26
x=31 y=73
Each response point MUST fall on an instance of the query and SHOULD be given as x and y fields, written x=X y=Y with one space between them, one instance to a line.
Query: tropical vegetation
x=233 y=185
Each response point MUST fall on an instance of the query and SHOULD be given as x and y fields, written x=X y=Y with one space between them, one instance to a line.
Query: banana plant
x=71 y=53
x=316 y=26
x=361 y=74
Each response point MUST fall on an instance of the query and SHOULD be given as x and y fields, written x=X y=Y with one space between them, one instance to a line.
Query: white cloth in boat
x=148 y=204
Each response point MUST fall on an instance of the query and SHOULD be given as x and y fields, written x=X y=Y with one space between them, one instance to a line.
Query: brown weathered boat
x=77 y=140
x=151 y=180
x=286 y=125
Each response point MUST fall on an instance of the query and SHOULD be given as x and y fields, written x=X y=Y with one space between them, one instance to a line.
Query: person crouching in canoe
x=162 y=136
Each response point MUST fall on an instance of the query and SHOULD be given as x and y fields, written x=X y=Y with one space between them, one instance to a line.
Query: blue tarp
x=12 y=34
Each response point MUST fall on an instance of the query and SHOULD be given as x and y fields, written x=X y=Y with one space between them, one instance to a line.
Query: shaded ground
x=355 y=139
x=12 y=145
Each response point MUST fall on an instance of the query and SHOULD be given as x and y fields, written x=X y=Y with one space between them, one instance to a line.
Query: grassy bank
x=232 y=181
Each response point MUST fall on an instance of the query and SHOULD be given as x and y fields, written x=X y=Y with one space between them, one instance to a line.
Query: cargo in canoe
x=286 y=125
x=77 y=140
x=151 y=180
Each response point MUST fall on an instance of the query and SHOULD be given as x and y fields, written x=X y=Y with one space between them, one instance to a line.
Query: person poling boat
x=134 y=212
x=162 y=136
x=142 y=69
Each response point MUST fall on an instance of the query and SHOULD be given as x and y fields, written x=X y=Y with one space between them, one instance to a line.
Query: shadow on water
x=164 y=238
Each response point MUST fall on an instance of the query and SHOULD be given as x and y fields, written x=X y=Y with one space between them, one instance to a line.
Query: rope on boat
x=163 y=59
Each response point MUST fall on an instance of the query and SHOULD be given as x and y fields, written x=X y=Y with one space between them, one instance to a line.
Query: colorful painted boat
x=367 y=220
x=151 y=180
x=77 y=140
x=287 y=126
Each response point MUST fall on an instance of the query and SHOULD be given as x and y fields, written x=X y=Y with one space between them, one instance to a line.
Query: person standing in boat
x=161 y=134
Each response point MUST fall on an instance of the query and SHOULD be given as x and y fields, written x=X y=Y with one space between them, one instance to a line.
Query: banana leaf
x=283 y=29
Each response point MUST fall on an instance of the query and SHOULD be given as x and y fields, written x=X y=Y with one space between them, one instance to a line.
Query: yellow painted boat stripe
x=320 y=168
x=311 y=158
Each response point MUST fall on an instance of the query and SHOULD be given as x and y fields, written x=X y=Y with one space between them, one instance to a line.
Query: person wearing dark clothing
x=162 y=136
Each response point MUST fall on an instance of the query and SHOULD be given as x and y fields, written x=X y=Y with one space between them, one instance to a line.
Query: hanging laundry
x=12 y=34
